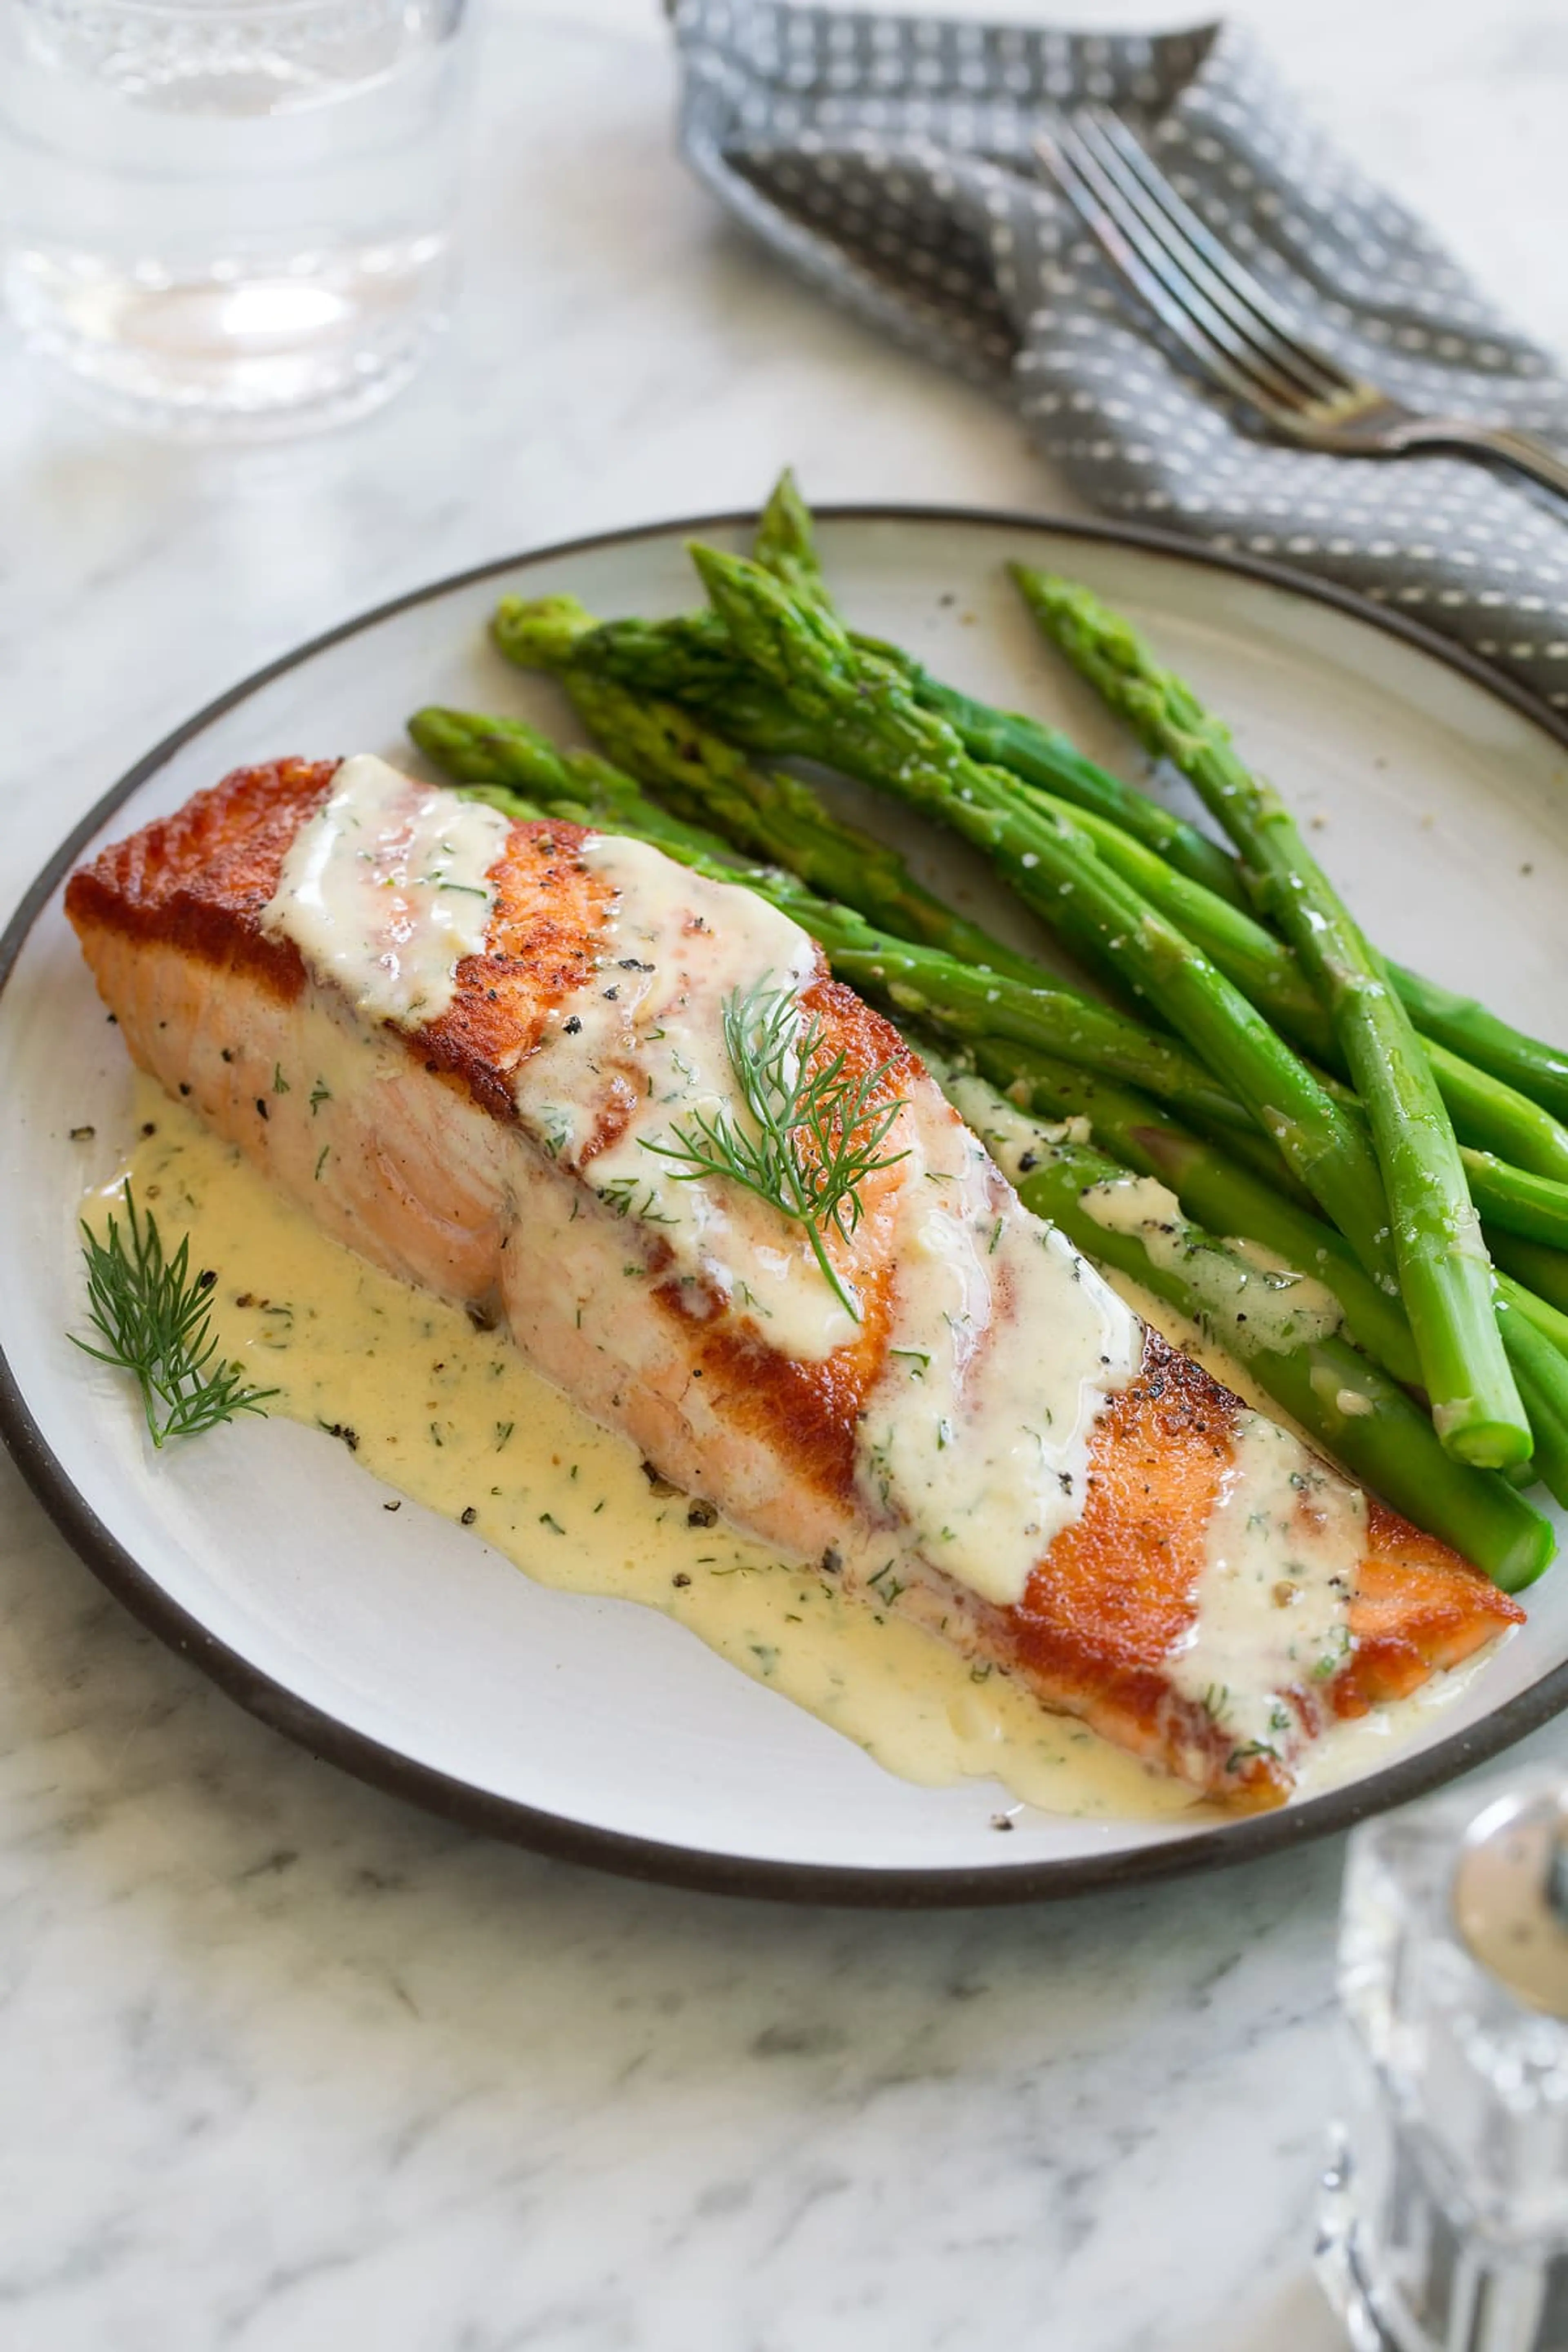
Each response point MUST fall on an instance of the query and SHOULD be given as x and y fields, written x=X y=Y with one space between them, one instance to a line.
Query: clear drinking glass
x=227 y=217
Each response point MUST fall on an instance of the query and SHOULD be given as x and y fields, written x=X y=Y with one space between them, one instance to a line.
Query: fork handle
x=1523 y=451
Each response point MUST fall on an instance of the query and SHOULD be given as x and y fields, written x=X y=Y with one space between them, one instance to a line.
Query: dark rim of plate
x=323 y=1736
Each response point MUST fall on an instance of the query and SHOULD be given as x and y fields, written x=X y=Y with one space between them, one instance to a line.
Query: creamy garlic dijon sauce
x=1006 y=1346
x=386 y=889
x=453 y=1418
x=1280 y=1564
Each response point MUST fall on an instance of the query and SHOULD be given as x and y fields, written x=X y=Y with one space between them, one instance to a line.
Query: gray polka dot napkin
x=890 y=158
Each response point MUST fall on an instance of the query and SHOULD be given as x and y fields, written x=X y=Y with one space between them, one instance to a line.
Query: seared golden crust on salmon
x=199 y=879
x=411 y=1147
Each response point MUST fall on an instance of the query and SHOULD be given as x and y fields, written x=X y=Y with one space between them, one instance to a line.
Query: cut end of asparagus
x=1484 y=1445
x=1527 y=1559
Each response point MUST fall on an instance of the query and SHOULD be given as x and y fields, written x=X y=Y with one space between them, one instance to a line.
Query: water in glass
x=227 y=216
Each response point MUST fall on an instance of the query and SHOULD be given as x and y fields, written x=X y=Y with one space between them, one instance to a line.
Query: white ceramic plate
x=424 y=1661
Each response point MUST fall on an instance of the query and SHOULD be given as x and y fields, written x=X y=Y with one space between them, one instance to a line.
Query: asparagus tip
x=539 y=632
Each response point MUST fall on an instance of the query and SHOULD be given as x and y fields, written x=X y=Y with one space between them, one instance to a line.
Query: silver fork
x=1238 y=333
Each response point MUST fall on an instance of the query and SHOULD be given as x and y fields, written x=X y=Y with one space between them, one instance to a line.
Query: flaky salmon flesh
x=443 y=1170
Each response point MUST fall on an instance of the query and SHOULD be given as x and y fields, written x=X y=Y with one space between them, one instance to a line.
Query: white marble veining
x=284 y=2065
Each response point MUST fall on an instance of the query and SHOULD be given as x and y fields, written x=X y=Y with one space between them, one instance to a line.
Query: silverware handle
x=1523 y=451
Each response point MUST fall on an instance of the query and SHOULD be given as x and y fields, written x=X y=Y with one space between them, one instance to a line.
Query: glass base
x=240 y=351
x=1335 y=2261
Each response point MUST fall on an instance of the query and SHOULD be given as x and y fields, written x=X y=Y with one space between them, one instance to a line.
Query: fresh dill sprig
x=155 y=1321
x=815 y=1133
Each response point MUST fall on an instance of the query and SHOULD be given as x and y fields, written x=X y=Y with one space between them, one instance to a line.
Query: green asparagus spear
x=1489 y=1115
x=1533 y=1068
x=1466 y=1027
x=963 y=1002
x=785 y=545
x=691 y=657
x=1113 y=811
x=1445 y=1276
x=1336 y=1393
x=1231 y=1201
x=689 y=660
x=862 y=717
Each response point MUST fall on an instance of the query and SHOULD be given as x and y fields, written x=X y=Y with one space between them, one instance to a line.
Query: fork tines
x=1231 y=324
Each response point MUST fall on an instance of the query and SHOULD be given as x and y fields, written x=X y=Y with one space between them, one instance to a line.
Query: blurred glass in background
x=1444 y=2212
x=230 y=218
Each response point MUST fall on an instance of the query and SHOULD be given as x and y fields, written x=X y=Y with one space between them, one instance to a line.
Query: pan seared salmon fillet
x=957 y=1419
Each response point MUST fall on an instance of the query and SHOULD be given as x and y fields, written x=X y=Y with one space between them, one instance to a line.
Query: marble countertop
x=285 y=2065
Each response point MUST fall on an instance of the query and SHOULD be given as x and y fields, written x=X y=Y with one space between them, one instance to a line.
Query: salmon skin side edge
x=433 y=1175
